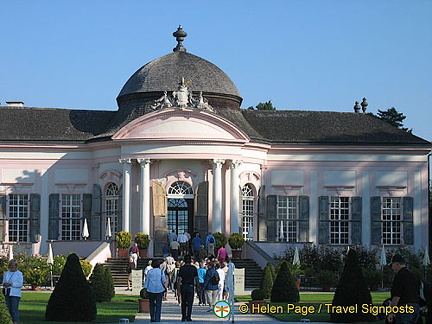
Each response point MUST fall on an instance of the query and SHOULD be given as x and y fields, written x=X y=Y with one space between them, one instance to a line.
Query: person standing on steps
x=187 y=280
x=130 y=266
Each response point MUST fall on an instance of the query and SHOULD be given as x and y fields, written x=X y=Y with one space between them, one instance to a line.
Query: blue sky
x=302 y=55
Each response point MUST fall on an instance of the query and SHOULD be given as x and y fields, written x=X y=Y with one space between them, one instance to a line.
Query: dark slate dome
x=166 y=72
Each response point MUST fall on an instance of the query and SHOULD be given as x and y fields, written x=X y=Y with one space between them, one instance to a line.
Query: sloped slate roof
x=277 y=127
x=325 y=127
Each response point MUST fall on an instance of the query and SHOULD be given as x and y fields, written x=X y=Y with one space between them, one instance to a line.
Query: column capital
x=127 y=161
x=144 y=162
x=217 y=162
x=234 y=164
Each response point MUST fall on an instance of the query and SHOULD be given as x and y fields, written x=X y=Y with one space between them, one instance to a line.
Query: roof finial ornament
x=180 y=35
x=357 y=107
x=364 y=105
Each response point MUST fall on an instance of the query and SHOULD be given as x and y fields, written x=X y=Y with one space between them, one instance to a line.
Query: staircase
x=253 y=272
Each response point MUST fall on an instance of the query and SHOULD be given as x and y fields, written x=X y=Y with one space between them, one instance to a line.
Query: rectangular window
x=111 y=207
x=18 y=217
x=391 y=220
x=70 y=217
x=287 y=218
x=247 y=219
x=339 y=220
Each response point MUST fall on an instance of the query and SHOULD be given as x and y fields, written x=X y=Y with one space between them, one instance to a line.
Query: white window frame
x=70 y=217
x=287 y=225
x=248 y=211
x=340 y=220
x=111 y=205
x=18 y=217
x=392 y=220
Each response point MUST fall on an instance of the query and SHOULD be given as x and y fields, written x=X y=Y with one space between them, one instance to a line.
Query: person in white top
x=221 y=274
x=12 y=283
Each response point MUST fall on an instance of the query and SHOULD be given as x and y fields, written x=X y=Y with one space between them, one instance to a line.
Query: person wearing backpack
x=211 y=285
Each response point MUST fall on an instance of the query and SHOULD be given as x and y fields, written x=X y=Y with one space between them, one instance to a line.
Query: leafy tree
x=73 y=298
x=104 y=291
x=284 y=288
x=263 y=106
x=393 y=117
x=352 y=291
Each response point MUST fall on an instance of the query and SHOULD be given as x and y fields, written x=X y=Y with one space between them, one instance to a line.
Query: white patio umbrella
x=383 y=262
x=85 y=232
x=10 y=252
x=426 y=258
x=296 y=259
x=108 y=232
x=281 y=232
x=250 y=232
x=50 y=261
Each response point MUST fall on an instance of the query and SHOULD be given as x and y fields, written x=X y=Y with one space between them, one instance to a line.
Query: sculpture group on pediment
x=181 y=98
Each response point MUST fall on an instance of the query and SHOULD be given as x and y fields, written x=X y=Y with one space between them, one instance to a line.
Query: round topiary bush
x=73 y=298
x=221 y=240
x=284 y=288
x=257 y=294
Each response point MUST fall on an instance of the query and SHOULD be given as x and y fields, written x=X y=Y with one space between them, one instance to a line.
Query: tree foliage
x=393 y=117
x=267 y=280
x=5 y=317
x=284 y=288
x=102 y=283
x=263 y=106
x=352 y=291
x=73 y=298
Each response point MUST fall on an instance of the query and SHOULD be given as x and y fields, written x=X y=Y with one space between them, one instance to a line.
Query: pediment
x=181 y=124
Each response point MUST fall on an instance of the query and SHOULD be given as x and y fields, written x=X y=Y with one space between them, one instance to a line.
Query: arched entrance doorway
x=180 y=207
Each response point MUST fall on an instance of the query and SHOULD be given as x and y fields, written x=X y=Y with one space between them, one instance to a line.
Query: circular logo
x=222 y=309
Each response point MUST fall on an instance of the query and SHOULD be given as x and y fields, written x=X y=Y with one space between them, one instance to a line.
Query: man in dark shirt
x=404 y=292
x=187 y=277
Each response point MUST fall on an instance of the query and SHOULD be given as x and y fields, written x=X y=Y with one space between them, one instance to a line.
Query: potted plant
x=236 y=242
x=124 y=240
x=221 y=240
x=326 y=279
x=144 y=302
x=143 y=241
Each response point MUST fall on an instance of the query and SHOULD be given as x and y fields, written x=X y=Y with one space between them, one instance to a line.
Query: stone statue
x=162 y=102
x=181 y=96
x=203 y=103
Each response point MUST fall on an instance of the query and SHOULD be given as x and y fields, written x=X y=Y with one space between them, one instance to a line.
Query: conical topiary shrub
x=101 y=284
x=73 y=298
x=267 y=280
x=5 y=317
x=351 y=291
x=284 y=288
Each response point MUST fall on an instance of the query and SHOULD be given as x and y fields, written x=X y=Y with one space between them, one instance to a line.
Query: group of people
x=210 y=280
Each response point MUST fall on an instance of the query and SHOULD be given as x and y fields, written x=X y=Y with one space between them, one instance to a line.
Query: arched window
x=180 y=207
x=248 y=202
x=180 y=188
x=111 y=206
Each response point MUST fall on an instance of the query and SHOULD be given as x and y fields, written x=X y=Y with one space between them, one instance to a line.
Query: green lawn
x=311 y=306
x=32 y=308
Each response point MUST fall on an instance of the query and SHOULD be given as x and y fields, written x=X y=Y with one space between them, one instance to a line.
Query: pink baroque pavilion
x=180 y=154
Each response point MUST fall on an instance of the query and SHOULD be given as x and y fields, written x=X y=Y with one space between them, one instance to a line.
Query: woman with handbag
x=155 y=284
x=12 y=283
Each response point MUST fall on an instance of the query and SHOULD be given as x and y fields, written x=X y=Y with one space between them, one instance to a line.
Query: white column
x=127 y=188
x=144 y=209
x=235 y=196
x=217 y=195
